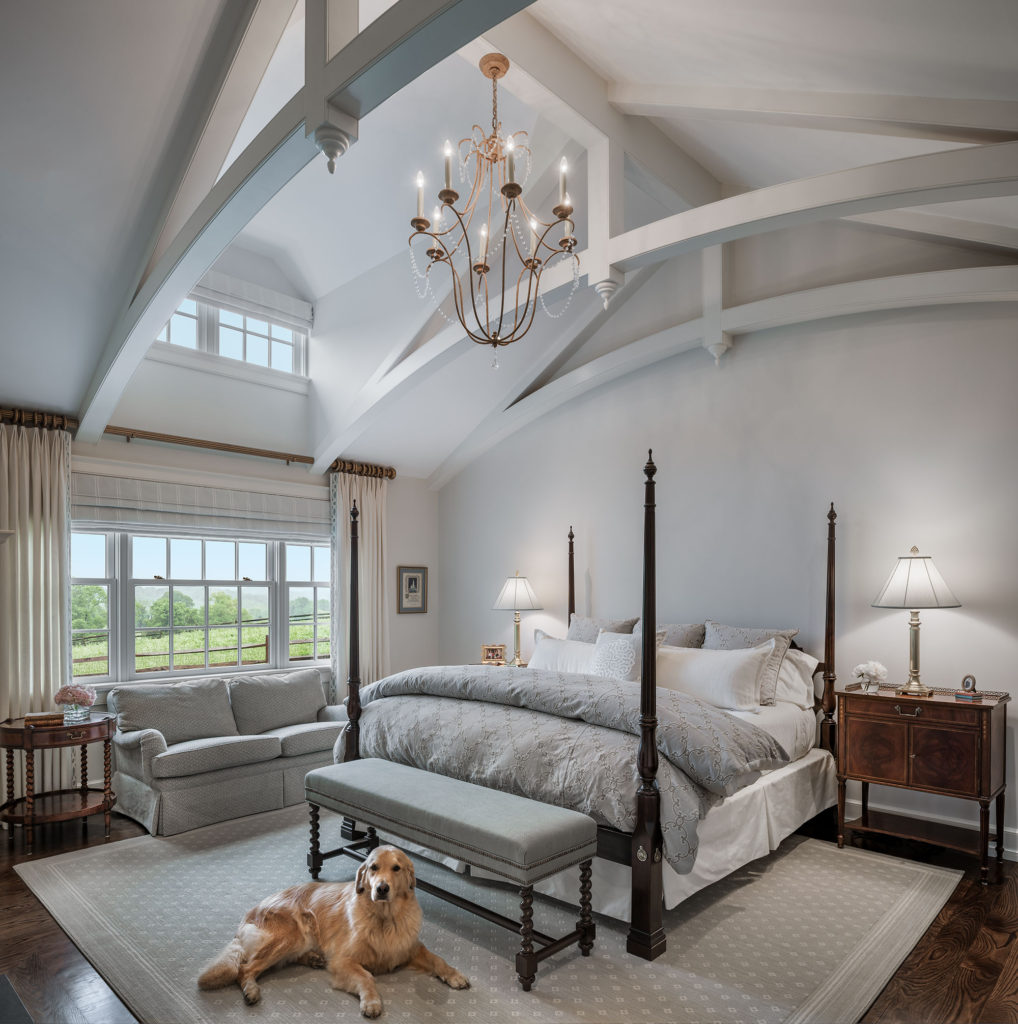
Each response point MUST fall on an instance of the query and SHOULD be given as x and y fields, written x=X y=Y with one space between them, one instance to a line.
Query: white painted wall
x=907 y=422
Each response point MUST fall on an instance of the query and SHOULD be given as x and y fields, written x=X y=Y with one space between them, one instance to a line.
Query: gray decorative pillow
x=581 y=628
x=192 y=710
x=615 y=659
x=688 y=634
x=270 y=701
x=719 y=637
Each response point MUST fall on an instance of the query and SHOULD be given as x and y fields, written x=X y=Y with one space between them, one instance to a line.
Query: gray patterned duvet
x=565 y=739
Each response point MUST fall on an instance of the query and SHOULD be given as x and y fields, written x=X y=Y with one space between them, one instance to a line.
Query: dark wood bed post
x=572 y=582
x=828 y=735
x=646 y=937
x=351 y=750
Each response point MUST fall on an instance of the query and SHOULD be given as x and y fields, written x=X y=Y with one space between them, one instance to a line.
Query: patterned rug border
x=843 y=995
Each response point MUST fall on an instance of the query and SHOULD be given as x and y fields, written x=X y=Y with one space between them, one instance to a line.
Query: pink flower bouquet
x=75 y=694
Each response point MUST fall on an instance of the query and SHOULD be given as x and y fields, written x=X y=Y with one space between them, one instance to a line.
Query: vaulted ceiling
x=145 y=142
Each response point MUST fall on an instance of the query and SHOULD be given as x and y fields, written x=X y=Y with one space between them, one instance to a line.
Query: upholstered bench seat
x=519 y=839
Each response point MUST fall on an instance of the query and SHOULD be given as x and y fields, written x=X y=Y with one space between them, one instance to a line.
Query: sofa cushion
x=269 y=701
x=190 y=710
x=307 y=737
x=206 y=755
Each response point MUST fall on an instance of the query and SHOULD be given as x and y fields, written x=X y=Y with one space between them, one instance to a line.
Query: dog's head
x=388 y=874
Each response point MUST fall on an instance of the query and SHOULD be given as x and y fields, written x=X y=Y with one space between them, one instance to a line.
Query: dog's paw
x=371 y=1007
x=315 y=960
x=252 y=995
x=457 y=980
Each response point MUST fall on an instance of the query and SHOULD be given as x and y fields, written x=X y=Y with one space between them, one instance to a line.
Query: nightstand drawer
x=961 y=715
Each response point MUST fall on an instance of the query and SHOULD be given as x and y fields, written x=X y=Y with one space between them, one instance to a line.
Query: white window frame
x=111 y=582
x=315 y=586
x=123 y=585
x=208 y=335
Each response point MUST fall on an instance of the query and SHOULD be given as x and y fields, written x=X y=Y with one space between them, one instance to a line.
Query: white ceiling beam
x=581 y=329
x=919 y=224
x=975 y=121
x=548 y=76
x=974 y=173
x=404 y=41
x=378 y=397
x=716 y=340
x=946 y=287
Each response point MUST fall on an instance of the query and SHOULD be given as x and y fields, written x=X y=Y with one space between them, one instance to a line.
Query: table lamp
x=915 y=583
x=517 y=595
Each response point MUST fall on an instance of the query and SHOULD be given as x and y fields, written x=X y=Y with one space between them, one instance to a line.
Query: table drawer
x=960 y=715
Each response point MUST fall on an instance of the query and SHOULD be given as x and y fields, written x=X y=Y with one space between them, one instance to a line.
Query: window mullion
x=208 y=336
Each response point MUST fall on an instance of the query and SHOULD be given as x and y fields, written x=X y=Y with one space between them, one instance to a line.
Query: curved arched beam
x=978 y=172
x=943 y=288
x=379 y=396
x=407 y=39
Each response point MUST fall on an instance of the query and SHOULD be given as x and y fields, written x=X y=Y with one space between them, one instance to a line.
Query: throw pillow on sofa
x=191 y=710
x=269 y=701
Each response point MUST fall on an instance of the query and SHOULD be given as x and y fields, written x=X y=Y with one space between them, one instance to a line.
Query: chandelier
x=495 y=261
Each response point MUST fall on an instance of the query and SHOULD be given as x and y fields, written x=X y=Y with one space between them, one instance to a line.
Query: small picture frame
x=492 y=654
x=968 y=684
x=411 y=589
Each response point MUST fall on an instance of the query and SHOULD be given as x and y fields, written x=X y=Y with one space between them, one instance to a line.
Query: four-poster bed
x=641 y=848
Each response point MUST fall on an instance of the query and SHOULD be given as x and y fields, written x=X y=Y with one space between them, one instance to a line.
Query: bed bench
x=511 y=836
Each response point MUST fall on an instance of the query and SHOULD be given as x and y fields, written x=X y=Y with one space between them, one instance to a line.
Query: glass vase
x=75 y=714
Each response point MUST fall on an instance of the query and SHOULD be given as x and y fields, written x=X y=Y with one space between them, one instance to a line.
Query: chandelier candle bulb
x=565 y=217
x=533 y=238
x=563 y=199
x=448 y=164
x=484 y=243
x=510 y=160
x=420 y=194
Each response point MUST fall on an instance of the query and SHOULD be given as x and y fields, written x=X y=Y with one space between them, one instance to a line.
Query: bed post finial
x=829 y=701
x=351 y=750
x=572 y=581
x=646 y=936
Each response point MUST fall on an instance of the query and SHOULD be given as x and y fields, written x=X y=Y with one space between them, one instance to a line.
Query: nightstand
x=934 y=744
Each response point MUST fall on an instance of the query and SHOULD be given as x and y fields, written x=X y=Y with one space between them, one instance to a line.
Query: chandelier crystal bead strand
x=495 y=246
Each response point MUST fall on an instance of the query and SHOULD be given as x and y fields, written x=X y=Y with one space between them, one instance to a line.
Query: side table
x=63 y=804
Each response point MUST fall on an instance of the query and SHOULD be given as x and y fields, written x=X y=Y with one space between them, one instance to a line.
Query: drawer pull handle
x=908 y=714
x=77 y=734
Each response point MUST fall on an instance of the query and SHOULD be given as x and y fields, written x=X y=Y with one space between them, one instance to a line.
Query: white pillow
x=726 y=679
x=562 y=655
x=615 y=659
x=795 y=679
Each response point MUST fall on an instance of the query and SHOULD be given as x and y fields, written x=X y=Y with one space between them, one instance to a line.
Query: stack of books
x=41 y=718
x=969 y=695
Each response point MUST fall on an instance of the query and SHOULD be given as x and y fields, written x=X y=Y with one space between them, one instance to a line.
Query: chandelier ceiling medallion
x=495 y=280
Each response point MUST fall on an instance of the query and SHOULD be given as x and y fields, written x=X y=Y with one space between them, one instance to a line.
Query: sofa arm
x=333 y=713
x=136 y=750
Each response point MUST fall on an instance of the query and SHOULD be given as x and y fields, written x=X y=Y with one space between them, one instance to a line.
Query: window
x=249 y=338
x=195 y=604
x=93 y=590
x=307 y=601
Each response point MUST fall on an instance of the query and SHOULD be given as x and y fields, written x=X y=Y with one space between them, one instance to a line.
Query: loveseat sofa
x=199 y=751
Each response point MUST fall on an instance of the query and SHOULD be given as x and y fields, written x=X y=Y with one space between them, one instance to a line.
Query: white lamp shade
x=915 y=583
x=516 y=596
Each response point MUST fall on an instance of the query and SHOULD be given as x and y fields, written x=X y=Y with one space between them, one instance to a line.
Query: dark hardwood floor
x=965 y=968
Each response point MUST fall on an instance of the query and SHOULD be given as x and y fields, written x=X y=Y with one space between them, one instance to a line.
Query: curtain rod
x=36 y=418
x=217 y=446
x=362 y=469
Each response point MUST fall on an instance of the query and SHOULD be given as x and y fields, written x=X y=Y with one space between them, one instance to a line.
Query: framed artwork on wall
x=411 y=589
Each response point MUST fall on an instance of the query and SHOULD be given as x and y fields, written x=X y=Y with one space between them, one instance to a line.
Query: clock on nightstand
x=936 y=744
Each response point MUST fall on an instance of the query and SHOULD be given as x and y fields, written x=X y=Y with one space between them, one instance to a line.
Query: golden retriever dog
x=354 y=929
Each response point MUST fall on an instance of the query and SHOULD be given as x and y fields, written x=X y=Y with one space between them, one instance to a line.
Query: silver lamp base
x=913 y=689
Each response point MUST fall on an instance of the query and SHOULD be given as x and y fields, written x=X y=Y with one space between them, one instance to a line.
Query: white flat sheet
x=793 y=728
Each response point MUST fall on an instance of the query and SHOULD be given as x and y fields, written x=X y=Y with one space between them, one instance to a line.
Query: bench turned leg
x=585 y=925
x=314 y=851
x=373 y=839
x=526 y=962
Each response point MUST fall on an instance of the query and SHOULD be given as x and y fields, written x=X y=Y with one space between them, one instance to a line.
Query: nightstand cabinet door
x=945 y=759
x=876 y=750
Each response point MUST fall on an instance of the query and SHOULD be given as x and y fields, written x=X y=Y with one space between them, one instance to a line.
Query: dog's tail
x=223 y=970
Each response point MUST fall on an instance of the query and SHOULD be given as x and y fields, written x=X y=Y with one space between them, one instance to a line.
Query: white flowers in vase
x=870 y=674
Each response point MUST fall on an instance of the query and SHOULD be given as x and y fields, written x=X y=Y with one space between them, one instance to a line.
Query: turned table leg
x=841 y=813
x=29 y=797
x=107 y=784
x=83 y=787
x=526 y=962
x=984 y=841
x=1000 y=836
x=585 y=925
x=10 y=792
x=314 y=850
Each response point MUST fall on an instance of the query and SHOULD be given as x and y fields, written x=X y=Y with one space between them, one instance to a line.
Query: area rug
x=810 y=933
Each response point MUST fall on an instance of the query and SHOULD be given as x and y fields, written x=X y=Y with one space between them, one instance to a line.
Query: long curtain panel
x=35 y=602
x=370 y=495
